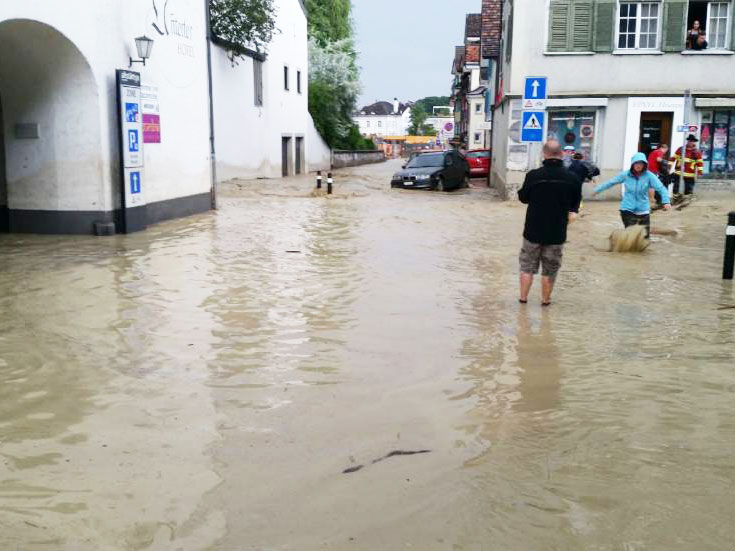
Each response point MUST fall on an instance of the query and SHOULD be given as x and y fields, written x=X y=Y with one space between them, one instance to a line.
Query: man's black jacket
x=551 y=193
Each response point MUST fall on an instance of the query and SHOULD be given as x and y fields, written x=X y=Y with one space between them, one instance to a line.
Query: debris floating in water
x=631 y=239
x=386 y=456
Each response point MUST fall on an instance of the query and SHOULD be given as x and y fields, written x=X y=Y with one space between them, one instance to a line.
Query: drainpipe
x=212 y=157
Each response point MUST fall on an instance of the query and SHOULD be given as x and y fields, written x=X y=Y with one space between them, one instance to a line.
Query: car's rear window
x=478 y=154
x=426 y=160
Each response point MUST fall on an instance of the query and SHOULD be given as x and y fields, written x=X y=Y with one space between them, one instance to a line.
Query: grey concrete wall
x=342 y=159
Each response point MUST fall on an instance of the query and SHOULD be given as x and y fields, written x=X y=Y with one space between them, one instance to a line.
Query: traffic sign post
x=130 y=128
x=534 y=93
x=532 y=126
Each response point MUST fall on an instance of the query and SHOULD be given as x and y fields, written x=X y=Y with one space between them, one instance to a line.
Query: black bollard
x=729 y=265
x=319 y=179
x=329 y=183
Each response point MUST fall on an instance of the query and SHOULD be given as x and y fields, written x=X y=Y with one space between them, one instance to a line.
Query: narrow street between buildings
x=300 y=372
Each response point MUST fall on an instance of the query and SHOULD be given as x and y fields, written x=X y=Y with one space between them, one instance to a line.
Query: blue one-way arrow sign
x=535 y=88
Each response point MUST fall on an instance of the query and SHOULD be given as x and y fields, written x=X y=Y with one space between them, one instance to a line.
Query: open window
x=708 y=24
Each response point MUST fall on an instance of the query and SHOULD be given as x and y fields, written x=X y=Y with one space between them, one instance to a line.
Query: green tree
x=329 y=20
x=243 y=25
x=418 y=119
x=334 y=77
x=428 y=103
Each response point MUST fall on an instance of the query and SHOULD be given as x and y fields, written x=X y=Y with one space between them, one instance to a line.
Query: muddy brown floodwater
x=213 y=383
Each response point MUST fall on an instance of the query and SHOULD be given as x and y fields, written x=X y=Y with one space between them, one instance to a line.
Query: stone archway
x=53 y=160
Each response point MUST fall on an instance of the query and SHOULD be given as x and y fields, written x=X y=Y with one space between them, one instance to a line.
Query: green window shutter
x=605 y=25
x=559 y=11
x=581 y=26
x=732 y=27
x=673 y=23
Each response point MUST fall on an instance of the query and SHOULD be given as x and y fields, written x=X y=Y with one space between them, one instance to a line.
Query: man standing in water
x=552 y=194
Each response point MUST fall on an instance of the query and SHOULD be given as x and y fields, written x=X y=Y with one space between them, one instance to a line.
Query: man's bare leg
x=547 y=285
x=526 y=282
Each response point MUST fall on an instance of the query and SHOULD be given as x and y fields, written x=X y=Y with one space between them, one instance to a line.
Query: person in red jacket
x=658 y=163
x=689 y=166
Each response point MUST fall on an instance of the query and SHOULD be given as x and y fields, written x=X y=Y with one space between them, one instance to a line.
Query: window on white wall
x=638 y=25
x=380 y=124
x=285 y=77
x=478 y=108
x=717 y=24
x=298 y=81
x=258 y=81
x=478 y=137
x=367 y=123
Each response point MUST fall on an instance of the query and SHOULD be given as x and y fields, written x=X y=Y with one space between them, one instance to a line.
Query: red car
x=479 y=161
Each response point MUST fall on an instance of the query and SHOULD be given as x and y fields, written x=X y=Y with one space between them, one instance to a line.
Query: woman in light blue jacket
x=635 y=208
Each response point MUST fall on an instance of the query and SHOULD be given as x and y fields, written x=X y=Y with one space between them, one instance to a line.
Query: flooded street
x=204 y=384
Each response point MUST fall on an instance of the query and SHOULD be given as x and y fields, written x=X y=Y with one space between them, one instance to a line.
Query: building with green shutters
x=617 y=74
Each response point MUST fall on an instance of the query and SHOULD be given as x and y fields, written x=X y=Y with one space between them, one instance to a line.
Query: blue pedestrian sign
x=134 y=183
x=535 y=88
x=532 y=126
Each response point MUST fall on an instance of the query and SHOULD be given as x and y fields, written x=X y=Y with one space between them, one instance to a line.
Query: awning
x=704 y=103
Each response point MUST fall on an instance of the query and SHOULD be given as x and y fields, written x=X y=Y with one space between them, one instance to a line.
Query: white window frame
x=478 y=108
x=727 y=3
x=639 y=12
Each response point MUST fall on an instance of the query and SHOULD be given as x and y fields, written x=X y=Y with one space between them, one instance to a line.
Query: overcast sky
x=406 y=47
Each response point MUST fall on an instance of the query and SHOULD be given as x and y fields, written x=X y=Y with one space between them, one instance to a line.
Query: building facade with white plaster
x=262 y=123
x=59 y=166
x=384 y=118
x=617 y=75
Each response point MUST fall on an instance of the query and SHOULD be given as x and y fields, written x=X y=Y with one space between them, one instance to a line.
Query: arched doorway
x=52 y=177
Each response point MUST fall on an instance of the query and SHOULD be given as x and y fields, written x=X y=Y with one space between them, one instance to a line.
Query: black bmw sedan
x=441 y=170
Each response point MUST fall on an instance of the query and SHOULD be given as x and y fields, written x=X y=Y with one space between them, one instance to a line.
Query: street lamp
x=144 y=45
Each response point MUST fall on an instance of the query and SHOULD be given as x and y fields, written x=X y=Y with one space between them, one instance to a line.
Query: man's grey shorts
x=549 y=256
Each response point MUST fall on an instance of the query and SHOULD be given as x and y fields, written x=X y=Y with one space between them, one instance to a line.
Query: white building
x=384 y=118
x=617 y=72
x=59 y=167
x=262 y=123
x=59 y=137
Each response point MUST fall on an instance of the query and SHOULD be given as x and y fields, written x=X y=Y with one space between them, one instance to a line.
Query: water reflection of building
x=617 y=73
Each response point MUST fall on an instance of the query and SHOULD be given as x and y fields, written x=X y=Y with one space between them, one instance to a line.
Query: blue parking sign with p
x=532 y=126
x=133 y=142
x=134 y=183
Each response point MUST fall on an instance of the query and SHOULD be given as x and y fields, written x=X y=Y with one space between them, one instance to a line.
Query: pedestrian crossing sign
x=532 y=126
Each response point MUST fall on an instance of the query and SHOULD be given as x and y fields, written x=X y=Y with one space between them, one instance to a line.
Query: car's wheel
x=440 y=184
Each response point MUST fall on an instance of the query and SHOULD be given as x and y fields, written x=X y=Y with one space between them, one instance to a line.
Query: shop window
x=574 y=128
x=717 y=143
x=638 y=25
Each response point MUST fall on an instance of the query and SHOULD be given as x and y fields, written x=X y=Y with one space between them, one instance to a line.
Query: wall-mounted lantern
x=144 y=46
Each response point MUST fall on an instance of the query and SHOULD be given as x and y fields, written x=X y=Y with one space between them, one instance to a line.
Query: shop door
x=299 y=154
x=285 y=146
x=655 y=129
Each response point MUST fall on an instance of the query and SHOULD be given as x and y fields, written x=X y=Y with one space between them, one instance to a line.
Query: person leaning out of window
x=693 y=35
x=700 y=44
